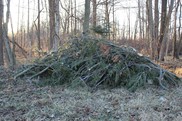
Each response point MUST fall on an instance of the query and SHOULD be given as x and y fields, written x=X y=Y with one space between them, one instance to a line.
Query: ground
x=21 y=100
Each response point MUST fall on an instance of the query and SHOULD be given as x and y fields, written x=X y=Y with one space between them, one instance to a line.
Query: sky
x=20 y=11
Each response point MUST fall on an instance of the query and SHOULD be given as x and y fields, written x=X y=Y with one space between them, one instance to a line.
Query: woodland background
x=49 y=24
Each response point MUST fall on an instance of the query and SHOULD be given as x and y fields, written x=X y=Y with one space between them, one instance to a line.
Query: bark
x=1 y=33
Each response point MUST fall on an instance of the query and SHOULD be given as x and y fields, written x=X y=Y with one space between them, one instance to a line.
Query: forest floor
x=23 y=101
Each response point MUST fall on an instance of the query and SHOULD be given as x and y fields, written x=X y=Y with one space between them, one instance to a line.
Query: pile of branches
x=94 y=63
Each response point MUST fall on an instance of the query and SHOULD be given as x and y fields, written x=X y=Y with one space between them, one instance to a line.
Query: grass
x=22 y=100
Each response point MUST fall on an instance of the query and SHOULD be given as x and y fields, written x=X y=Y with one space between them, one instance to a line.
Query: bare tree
x=162 y=24
x=156 y=19
x=57 y=26
x=150 y=27
x=54 y=23
x=166 y=31
x=8 y=50
x=136 y=27
x=179 y=30
x=28 y=29
x=47 y=23
x=18 y=20
x=38 y=29
x=65 y=21
x=139 y=18
x=86 y=17
x=175 y=54
x=129 y=23
x=94 y=17
x=113 y=19
x=1 y=33
x=107 y=18
x=51 y=23
x=75 y=28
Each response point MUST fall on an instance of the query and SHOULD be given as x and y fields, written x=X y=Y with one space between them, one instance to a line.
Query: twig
x=161 y=77
x=42 y=70
x=19 y=74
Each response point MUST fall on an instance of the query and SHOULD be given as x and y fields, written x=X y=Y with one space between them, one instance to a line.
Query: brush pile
x=94 y=63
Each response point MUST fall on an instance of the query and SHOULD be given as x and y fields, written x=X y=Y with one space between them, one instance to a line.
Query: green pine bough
x=94 y=63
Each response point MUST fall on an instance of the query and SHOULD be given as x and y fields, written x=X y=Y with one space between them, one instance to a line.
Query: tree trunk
x=71 y=2
x=9 y=53
x=143 y=22
x=28 y=30
x=162 y=26
x=179 y=30
x=13 y=42
x=175 y=55
x=94 y=13
x=51 y=23
x=129 y=25
x=38 y=31
x=156 y=18
x=114 y=25
x=86 y=18
x=156 y=26
x=139 y=19
x=107 y=16
x=47 y=25
x=165 y=33
x=1 y=33
x=75 y=28
x=136 y=26
x=151 y=27
x=57 y=26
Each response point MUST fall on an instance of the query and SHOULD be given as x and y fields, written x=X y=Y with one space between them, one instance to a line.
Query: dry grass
x=22 y=101
x=174 y=66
